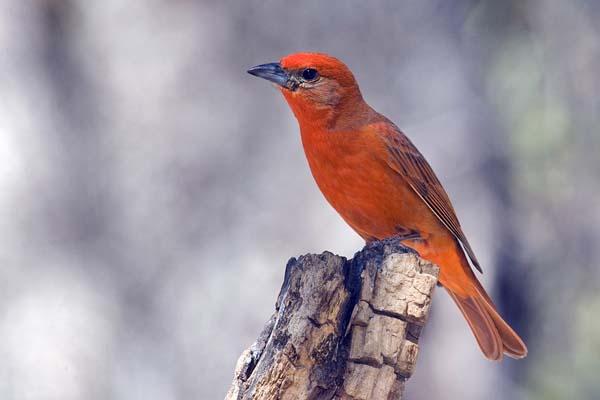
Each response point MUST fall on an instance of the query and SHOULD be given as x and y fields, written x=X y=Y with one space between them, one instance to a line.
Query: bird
x=382 y=186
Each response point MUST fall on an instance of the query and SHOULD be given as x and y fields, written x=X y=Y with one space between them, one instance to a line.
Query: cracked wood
x=342 y=329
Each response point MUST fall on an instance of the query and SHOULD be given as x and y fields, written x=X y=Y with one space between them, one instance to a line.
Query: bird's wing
x=408 y=162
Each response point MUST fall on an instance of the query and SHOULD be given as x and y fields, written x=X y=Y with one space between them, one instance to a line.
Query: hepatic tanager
x=382 y=186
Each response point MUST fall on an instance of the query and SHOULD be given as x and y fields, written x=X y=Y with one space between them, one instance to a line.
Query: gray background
x=151 y=191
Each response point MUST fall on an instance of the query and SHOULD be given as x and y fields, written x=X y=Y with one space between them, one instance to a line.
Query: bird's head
x=319 y=88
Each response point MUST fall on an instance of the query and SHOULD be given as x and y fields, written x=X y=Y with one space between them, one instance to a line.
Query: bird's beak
x=272 y=72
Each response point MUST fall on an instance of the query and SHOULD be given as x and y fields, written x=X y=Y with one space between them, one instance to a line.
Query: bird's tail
x=494 y=336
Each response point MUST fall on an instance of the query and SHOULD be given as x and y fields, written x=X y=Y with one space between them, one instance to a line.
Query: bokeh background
x=151 y=191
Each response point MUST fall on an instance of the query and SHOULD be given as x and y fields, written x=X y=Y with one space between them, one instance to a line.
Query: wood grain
x=342 y=329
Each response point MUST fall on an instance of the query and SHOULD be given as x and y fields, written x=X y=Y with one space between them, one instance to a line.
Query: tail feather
x=481 y=325
x=494 y=336
x=513 y=345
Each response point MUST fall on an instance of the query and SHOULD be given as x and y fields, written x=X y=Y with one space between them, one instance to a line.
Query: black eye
x=310 y=74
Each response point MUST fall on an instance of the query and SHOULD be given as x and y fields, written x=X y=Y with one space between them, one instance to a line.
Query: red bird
x=382 y=186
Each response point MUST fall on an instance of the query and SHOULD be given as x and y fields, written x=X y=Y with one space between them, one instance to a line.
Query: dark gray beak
x=271 y=72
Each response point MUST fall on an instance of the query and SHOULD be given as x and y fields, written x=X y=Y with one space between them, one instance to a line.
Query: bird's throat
x=344 y=114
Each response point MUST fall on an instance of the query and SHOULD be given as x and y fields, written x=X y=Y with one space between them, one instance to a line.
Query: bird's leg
x=409 y=236
x=402 y=236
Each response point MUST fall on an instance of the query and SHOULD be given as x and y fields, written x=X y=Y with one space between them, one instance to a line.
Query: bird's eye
x=310 y=74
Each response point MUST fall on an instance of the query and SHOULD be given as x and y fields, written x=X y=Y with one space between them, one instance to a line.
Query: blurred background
x=151 y=191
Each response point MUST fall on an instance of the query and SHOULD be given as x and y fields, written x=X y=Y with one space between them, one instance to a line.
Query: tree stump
x=342 y=329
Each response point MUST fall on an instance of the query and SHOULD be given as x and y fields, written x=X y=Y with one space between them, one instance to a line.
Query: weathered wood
x=342 y=329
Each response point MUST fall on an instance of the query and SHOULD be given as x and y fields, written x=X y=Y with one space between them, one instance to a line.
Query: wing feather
x=408 y=162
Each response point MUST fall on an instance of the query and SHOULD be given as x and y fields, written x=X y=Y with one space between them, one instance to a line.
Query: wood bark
x=342 y=329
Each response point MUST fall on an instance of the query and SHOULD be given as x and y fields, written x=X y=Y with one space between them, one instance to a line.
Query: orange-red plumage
x=381 y=185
